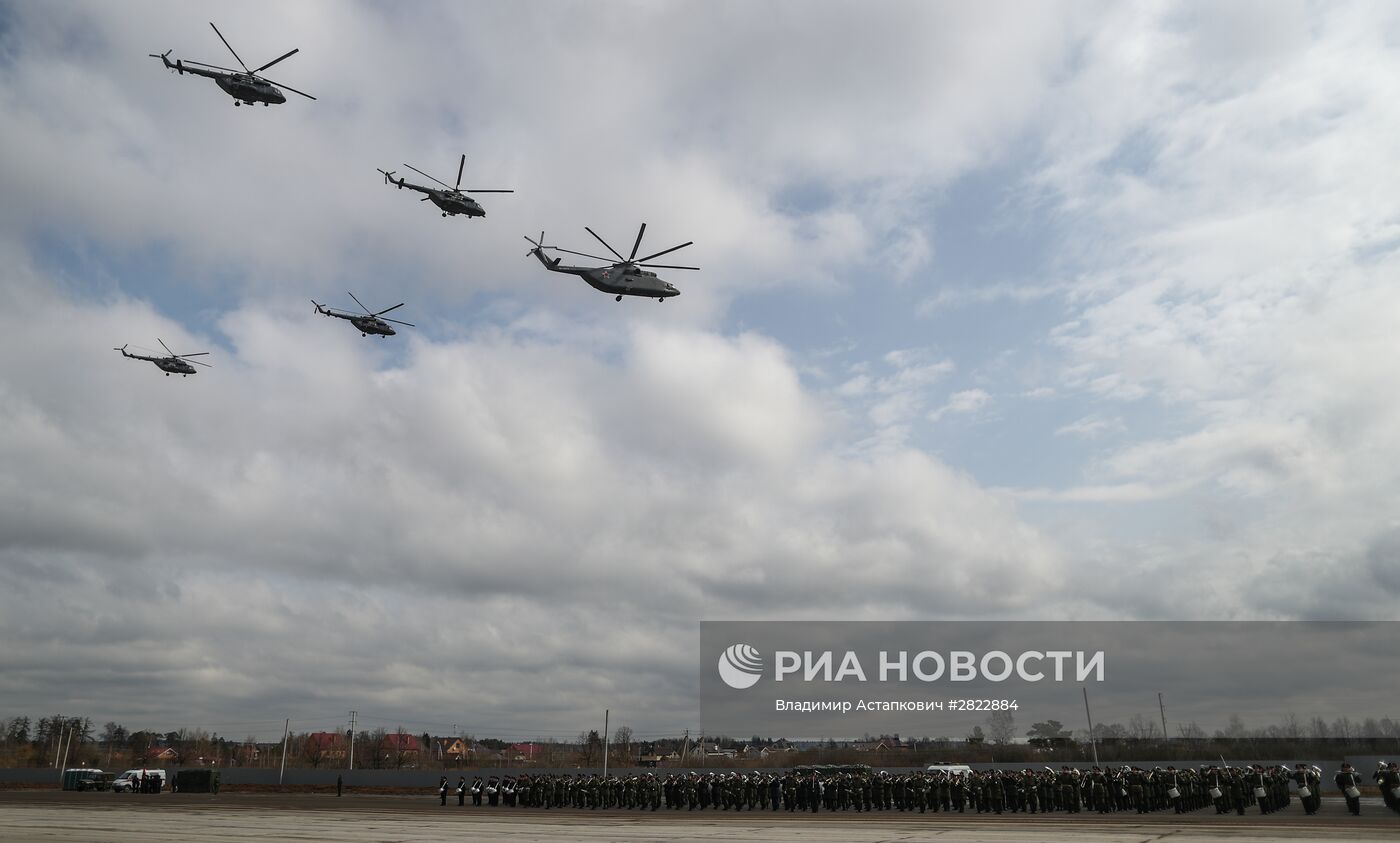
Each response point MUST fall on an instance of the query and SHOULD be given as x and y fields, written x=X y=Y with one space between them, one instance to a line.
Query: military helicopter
x=245 y=86
x=452 y=200
x=367 y=322
x=175 y=364
x=626 y=277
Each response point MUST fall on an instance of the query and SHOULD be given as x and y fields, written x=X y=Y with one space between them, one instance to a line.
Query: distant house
x=400 y=749
x=325 y=746
x=525 y=752
x=451 y=749
x=482 y=754
x=881 y=745
x=162 y=755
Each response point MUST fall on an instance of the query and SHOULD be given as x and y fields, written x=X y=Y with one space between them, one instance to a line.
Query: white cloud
x=962 y=403
x=302 y=490
x=1091 y=426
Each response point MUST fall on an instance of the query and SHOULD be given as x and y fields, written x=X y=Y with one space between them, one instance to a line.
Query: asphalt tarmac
x=50 y=815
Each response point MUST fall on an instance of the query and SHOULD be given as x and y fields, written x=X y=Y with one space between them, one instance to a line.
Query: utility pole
x=352 y=739
x=685 y=747
x=286 y=731
x=605 y=743
x=1092 y=744
x=67 y=746
x=1163 y=708
x=59 y=748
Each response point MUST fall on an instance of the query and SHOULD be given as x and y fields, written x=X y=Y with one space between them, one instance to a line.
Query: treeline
x=60 y=739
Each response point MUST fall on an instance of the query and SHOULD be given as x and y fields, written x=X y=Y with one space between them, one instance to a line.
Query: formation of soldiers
x=1069 y=790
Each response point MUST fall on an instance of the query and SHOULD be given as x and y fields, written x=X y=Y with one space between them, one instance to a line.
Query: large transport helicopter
x=452 y=201
x=175 y=364
x=367 y=322
x=245 y=86
x=626 y=277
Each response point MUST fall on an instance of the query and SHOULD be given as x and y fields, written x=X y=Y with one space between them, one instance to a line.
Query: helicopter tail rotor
x=165 y=59
x=389 y=177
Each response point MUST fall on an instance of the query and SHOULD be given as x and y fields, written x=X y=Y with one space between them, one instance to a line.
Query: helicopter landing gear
x=661 y=300
x=265 y=105
x=619 y=298
x=167 y=374
x=236 y=103
x=444 y=215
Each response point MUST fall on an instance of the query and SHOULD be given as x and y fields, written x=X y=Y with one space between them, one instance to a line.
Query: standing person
x=1307 y=788
x=1390 y=786
x=461 y=790
x=476 y=790
x=442 y=790
x=1350 y=784
x=339 y=785
x=1387 y=778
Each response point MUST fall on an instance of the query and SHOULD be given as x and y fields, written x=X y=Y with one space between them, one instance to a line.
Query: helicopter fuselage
x=249 y=89
x=454 y=204
x=173 y=366
x=372 y=325
x=366 y=324
x=451 y=202
x=624 y=280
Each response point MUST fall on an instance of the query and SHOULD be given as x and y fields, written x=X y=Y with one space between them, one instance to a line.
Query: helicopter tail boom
x=176 y=66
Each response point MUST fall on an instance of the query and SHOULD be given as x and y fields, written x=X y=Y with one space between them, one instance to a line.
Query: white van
x=130 y=781
x=954 y=769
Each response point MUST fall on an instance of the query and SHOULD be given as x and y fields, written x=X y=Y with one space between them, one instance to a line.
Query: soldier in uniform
x=442 y=791
x=1390 y=786
x=1387 y=778
x=1349 y=782
x=461 y=790
x=1307 y=788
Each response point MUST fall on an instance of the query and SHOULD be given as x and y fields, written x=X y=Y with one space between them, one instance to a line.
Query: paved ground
x=57 y=816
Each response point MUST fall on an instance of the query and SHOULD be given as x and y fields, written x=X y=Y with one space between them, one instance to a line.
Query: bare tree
x=1001 y=727
x=622 y=740
x=1190 y=731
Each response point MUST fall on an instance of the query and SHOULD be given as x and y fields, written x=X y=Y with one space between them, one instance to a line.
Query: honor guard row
x=1102 y=790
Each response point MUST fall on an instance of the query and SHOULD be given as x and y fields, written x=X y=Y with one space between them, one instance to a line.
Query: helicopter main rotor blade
x=196 y=362
x=164 y=346
x=288 y=87
x=196 y=354
x=212 y=66
x=230 y=49
x=480 y=190
x=362 y=307
x=580 y=254
x=276 y=60
x=425 y=175
x=605 y=243
x=666 y=252
x=640 y=232
x=461 y=164
x=665 y=266
x=387 y=309
x=397 y=322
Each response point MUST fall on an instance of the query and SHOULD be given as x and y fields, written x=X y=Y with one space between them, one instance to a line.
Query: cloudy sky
x=1019 y=311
